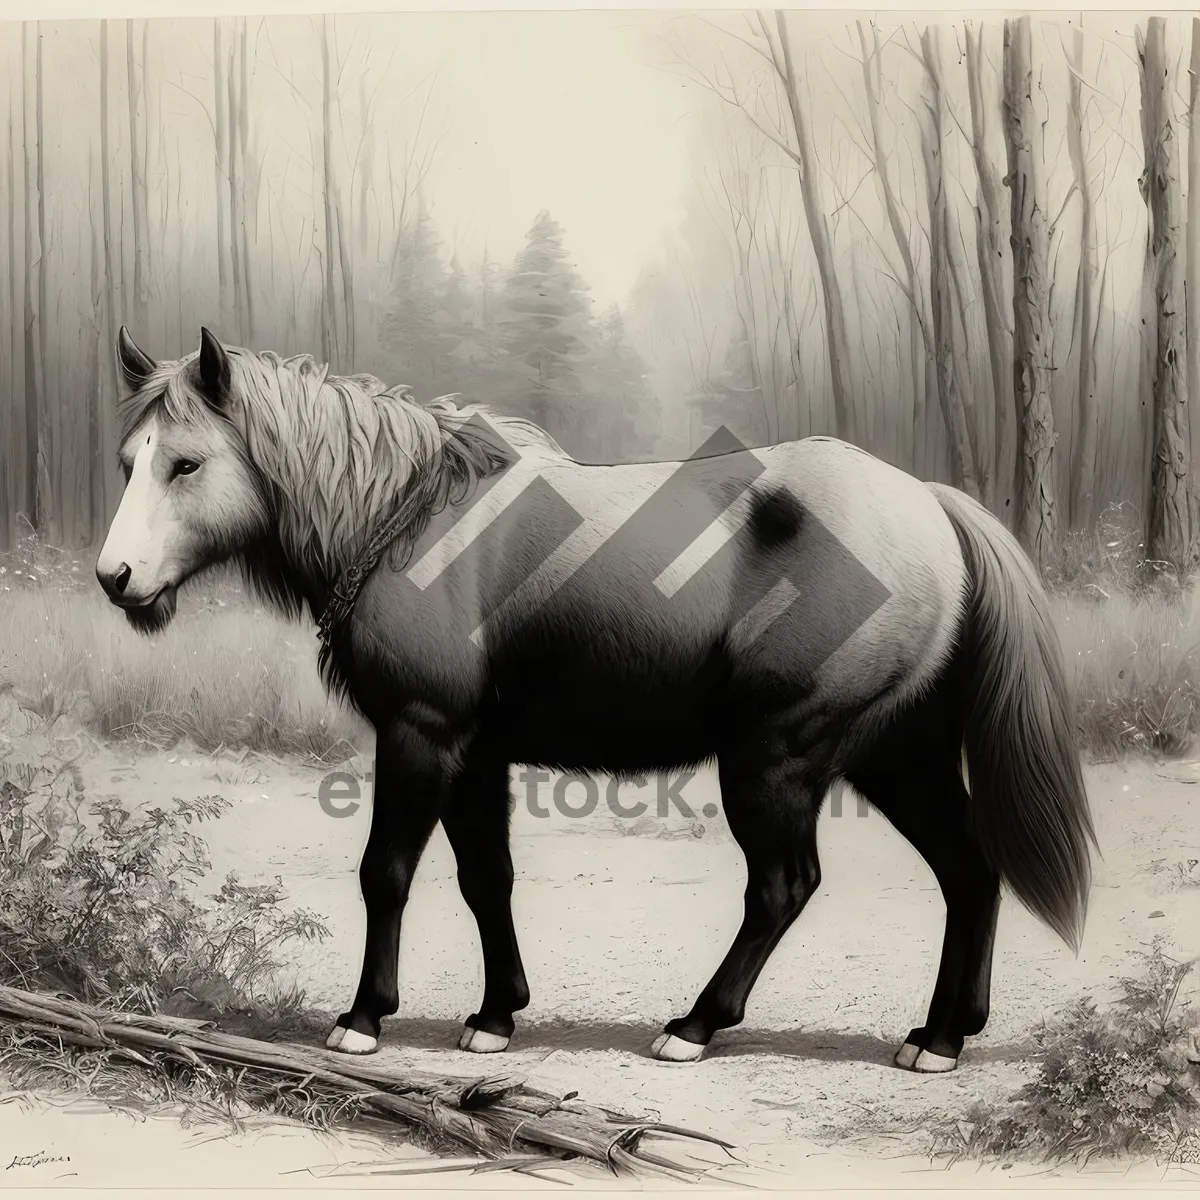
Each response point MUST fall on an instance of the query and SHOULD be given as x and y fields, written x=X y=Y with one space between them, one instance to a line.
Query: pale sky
x=564 y=112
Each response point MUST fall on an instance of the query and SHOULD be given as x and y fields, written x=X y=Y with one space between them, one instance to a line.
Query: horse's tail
x=1028 y=808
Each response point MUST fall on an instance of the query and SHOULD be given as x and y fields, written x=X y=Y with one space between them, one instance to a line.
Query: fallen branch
x=496 y=1118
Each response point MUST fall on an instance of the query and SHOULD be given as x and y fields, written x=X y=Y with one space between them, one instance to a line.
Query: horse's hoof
x=907 y=1056
x=1193 y=1050
x=479 y=1041
x=669 y=1048
x=351 y=1041
x=928 y=1063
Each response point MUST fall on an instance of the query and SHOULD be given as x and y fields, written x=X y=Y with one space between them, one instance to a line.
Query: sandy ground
x=619 y=931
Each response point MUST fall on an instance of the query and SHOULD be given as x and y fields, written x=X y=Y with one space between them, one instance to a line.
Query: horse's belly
x=603 y=721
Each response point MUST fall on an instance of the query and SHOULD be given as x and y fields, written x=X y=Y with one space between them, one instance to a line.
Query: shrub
x=1109 y=1083
x=101 y=902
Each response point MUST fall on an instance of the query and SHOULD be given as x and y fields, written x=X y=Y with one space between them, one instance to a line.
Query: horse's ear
x=135 y=366
x=215 y=373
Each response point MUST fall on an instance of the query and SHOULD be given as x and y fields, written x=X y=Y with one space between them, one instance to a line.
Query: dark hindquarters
x=913 y=775
x=476 y=820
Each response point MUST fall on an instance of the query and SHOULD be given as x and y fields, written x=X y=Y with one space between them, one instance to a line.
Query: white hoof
x=334 y=1040
x=479 y=1041
x=353 y=1042
x=933 y=1064
x=669 y=1048
x=907 y=1055
x=1193 y=1050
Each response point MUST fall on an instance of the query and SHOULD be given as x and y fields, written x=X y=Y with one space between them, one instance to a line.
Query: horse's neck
x=319 y=545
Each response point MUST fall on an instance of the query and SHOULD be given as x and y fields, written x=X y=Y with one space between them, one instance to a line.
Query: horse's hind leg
x=772 y=812
x=927 y=804
x=475 y=819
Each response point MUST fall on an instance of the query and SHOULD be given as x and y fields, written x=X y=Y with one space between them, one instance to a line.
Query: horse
x=804 y=614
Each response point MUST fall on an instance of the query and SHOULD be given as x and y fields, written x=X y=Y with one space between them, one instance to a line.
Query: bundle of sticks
x=501 y=1120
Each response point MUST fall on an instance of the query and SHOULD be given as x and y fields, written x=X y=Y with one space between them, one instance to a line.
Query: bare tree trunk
x=989 y=251
x=920 y=334
x=1083 y=472
x=950 y=396
x=1169 y=533
x=94 y=459
x=37 y=433
x=1192 y=272
x=17 y=461
x=248 y=181
x=221 y=172
x=846 y=417
x=1037 y=508
x=346 y=269
x=234 y=161
x=137 y=183
x=109 y=317
x=331 y=339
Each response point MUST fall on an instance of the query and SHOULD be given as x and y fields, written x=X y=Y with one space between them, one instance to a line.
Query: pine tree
x=619 y=416
x=544 y=331
x=409 y=331
x=463 y=346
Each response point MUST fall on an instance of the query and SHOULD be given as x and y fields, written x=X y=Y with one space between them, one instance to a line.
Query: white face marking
x=143 y=531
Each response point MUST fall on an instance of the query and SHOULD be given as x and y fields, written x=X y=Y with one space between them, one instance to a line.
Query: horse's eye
x=185 y=466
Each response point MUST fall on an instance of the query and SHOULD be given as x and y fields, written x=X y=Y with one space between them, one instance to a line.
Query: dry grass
x=226 y=672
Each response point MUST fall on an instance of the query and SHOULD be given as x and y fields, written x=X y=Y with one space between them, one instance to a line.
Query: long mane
x=339 y=455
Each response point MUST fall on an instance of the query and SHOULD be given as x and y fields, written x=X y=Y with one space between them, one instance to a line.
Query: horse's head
x=191 y=497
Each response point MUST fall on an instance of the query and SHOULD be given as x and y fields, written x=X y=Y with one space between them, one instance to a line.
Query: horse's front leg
x=475 y=818
x=409 y=779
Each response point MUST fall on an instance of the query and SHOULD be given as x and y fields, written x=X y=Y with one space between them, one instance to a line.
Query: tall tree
x=1087 y=299
x=1192 y=282
x=849 y=422
x=409 y=329
x=461 y=339
x=135 y=98
x=1170 y=534
x=17 y=462
x=969 y=473
x=38 y=444
x=107 y=334
x=990 y=250
x=618 y=385
x=1037 y=507
x=248 y=181
x=338 y=335
x=921 y=349
x=221 y=171
x=544 y=327
x=771 y=39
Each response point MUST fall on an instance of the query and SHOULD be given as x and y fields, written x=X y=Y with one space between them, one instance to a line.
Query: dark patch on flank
x=775 y=517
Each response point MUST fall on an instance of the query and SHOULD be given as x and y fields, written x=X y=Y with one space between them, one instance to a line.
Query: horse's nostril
x=121 y=582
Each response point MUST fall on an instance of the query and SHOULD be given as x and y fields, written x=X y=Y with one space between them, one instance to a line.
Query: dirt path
x=618 y=932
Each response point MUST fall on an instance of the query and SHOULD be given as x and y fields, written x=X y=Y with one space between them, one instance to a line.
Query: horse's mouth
x=154 y=613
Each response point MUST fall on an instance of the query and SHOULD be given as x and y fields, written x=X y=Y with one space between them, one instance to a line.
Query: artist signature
x=38 y=1159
